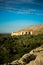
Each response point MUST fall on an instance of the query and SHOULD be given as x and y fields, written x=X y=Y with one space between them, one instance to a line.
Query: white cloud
x=13 y=6
x=21 y=11
x=29 y=11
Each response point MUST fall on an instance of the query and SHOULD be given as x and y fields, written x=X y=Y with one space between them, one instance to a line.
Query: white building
x=21 y=33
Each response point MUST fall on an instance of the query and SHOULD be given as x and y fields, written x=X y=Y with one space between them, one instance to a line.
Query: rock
x=35 y=57
x=37 y=61
x=14 y=62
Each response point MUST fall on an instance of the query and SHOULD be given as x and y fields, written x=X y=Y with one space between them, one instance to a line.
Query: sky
x=18 y=14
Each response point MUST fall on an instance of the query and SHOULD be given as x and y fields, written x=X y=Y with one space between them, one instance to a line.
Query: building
x=21 y=33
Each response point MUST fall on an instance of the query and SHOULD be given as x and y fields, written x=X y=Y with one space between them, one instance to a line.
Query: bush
x=12 y=48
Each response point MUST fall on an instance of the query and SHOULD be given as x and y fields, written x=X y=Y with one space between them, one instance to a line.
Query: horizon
x=18 y=14
x=19 y=29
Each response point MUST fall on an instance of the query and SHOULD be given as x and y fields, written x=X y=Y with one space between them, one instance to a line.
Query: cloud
x=24 y=1
x=29 y=11
x=24 y=11
x=22 y=6
x=21 y=11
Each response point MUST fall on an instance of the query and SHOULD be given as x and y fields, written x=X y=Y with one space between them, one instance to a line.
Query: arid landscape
x=34 y=29
x=21 y=32
x=24 y=49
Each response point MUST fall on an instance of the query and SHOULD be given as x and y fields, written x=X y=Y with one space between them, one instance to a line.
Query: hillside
x=35 y=57
x=36 y=29
x=16 y=47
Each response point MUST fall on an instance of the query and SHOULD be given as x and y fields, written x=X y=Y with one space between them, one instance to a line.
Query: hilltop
x=36 y=29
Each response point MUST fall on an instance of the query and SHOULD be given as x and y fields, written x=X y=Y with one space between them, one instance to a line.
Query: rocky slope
x=35 y=57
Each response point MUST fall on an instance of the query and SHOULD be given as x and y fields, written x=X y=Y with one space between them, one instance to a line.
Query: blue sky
x=17 y=14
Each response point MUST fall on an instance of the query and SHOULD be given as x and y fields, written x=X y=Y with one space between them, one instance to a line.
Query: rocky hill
x=35 y=57
x=36 y=29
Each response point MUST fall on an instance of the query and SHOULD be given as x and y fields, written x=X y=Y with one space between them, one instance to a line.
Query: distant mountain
x=36 y=29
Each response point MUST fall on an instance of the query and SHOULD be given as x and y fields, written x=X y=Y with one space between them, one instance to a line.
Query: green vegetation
x=12 y=48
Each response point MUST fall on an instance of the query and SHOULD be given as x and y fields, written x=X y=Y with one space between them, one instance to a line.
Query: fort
x=21 y=33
